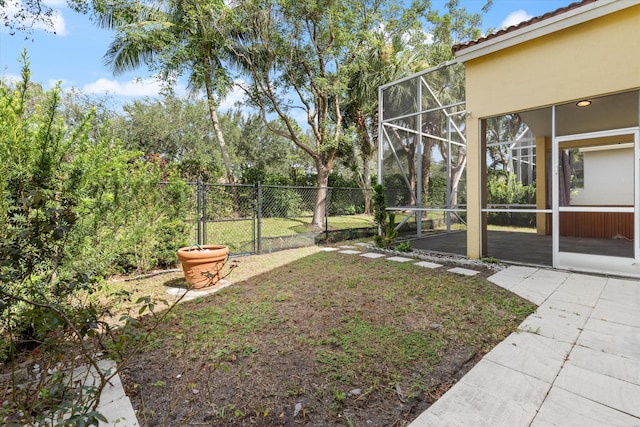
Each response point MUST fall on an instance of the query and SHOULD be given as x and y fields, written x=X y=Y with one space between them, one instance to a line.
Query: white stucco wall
x=608 y=178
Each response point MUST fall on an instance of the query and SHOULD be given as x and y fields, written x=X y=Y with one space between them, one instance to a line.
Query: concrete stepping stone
x=328 y=249
x=399 y=259
x=114 y=405
x=372 y=255
x=463 y=271
x=349 y=252
x=427 y=264
x=191 y=294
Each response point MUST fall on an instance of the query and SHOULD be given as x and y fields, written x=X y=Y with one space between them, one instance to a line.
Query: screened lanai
x=422 y=164
x=422 y=151
x=528 y=148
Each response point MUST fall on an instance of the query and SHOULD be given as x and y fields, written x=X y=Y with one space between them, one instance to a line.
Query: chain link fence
x=264 y=218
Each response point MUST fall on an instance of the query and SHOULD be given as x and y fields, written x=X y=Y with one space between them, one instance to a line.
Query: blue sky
x=74 y=54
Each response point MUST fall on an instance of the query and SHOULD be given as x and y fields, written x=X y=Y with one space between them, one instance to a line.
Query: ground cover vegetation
x=368 y=342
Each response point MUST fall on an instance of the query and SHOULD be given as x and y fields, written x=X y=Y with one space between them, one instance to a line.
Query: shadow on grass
x=177 y=282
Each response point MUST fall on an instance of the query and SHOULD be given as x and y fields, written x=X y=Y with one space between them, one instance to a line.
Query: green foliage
x=219 y=201
x=71 y=208
x=505 y=190
x=41 y=186
x=44 y=181
x=172 y=129
x=437 y=193
x=379 y=205
x=387 y=232
x=404 y=246
x=281 y=202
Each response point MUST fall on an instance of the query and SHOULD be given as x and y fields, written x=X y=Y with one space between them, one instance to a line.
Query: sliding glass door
x=595 y=201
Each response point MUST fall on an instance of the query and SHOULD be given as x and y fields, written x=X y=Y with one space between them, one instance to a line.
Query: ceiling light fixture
x=584 y=103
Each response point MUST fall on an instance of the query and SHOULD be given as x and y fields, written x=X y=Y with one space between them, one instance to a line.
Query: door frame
x=587 y=262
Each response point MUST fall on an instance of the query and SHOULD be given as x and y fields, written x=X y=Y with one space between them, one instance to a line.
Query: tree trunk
x=456 y=174
x=366 y=149
x=366 y=187
x=427 y=156
x=213 y=113
x=411 y=166
x=321 y=198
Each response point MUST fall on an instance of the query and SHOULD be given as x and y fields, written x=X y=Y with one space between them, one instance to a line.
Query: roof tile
x=460 y=46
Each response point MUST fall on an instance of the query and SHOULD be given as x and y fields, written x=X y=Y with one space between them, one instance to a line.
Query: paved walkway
x=114 y=405
x=574 y=362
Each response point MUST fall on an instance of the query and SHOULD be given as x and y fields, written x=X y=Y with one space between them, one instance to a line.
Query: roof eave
x=542 y=28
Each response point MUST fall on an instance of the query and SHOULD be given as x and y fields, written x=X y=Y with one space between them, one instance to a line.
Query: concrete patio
x=574 y=362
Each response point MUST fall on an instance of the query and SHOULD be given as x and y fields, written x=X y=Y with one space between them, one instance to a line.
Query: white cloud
x=10 y=78
x=55 y=23
x=235 y=96
x=514 y=18
x=55 y=3
x=132 y=88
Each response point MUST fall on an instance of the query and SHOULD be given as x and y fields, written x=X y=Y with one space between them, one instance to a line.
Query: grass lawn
x=239 y=235
x=318 y=338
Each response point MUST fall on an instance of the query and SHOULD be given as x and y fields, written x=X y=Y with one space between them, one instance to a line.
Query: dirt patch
x=325 y=340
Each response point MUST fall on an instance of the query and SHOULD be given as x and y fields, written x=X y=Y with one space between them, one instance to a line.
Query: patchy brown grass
x=315 y=338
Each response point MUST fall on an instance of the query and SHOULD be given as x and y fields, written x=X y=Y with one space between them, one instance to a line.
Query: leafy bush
x=43 y=173
x=345 y=201
x=437 y=193
x=404 y=247
x=505 y=190
x=69 y=205
x=281 y=202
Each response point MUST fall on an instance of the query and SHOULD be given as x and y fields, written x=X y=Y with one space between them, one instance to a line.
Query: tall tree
x=444 y=29
x=172 y=129
x=297 y=56
x=387 y=59
x=264 y=156
x=173 y=37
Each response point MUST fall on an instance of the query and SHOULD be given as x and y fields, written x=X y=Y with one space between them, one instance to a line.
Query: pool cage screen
x=422 y=153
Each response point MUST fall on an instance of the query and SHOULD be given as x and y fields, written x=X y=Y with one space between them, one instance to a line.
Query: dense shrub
x=281 y=202
x=71 y=208
x=437 y=192
x=503 y=190
x=346 y=201
x=219 y=201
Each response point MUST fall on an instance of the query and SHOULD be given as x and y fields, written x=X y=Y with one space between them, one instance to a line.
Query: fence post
x=204 y=212
x=259 y=216
x=198 y=213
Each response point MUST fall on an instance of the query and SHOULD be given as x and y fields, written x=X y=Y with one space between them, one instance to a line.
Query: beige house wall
x=597 y=57
x=593 y=58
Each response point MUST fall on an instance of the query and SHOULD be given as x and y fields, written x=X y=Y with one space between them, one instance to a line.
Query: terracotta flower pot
x=202 y=264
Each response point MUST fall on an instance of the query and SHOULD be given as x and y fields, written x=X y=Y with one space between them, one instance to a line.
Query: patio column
x=476 y=190
x=541 y=185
